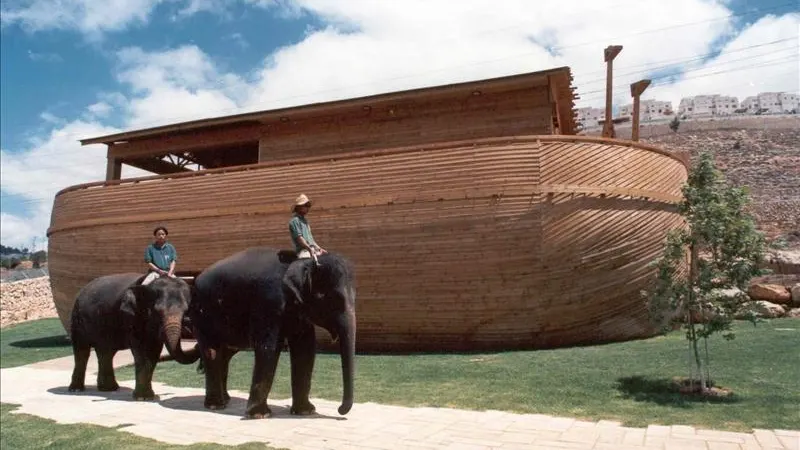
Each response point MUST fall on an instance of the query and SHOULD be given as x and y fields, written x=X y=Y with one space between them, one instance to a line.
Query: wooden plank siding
x=528 y=104
x=492 y=243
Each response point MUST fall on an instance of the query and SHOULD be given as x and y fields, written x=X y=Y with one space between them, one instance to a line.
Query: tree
x=724 y=251
x=675 y=124
x=38 y=258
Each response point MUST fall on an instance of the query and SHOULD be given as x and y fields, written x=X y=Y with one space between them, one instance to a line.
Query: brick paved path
x=179 y=418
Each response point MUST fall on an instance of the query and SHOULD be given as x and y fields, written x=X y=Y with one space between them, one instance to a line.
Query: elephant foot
x=258 y=412
x=108 y=387
x=145 y=396
x=215 y=405
x=306 y=409
x=77 y=387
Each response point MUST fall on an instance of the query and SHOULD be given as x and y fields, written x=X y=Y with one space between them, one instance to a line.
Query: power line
x=679 y=61
x=742 y=14
x=674 y=62
x=600 y=93
x=500 y=59
x=767 y=64
x=778 y=61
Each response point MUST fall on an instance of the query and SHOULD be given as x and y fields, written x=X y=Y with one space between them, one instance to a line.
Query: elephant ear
x=136 y=299
x=297 y=283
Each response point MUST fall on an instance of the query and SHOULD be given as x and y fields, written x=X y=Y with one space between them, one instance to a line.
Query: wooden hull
x=525 y=242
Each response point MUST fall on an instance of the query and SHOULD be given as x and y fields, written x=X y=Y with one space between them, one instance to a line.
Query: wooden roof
x=559 y=79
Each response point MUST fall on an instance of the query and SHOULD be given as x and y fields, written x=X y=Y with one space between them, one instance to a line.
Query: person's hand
x=162 y=272
x=169 y=274
x=322 y=251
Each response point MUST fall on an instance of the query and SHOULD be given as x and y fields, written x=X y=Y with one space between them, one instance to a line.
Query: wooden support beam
x=263 y=147
x=554 y=97
x=637 y=89
x=113 y=166
x=155 y=165
x=610 y=53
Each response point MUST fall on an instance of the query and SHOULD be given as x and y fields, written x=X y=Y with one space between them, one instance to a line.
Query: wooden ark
x=475 y=217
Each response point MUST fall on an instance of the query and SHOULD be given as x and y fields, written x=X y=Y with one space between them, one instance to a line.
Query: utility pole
x=610 y=53
x=636 y=91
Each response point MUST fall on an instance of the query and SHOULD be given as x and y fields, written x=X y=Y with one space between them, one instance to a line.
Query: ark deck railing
x=380 y=152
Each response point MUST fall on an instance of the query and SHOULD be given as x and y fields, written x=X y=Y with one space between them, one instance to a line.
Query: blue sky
x=63 y=78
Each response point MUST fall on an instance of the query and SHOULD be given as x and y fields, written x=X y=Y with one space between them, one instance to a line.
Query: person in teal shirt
x=160 y=256
x=300 y=230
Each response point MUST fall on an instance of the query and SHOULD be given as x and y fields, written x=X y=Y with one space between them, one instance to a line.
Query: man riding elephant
x=300 y=230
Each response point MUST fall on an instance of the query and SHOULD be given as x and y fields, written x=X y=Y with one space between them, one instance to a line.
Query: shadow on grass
x=236 y=406
x=43 y=342
x=664 y=392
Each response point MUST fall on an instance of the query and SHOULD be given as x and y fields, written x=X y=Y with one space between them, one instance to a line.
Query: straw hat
x=301 y=200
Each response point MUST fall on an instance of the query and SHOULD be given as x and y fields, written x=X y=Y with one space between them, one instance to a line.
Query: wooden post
x=610 y=53
x=113 y=166
x=553 y=95
x=636 y=91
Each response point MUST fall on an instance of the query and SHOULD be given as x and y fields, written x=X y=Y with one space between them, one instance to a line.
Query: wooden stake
x=636 y=91
x=610 y=53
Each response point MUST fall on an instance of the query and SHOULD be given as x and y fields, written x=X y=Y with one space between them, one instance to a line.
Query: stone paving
x=179 y=418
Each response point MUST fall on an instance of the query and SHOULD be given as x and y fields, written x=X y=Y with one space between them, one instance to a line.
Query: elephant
x=261 y=298
x=115 y=312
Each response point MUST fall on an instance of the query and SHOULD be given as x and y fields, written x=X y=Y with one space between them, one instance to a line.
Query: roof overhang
x=524 y=79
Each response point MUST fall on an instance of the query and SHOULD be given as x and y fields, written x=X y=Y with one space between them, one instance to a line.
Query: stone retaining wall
x=26 y=300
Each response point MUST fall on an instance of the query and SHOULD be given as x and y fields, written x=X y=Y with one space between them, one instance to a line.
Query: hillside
x=761 y=153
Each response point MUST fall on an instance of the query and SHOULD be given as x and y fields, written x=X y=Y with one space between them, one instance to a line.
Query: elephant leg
x=145 y=360
x=225 y=362
x=212 y=362
x=81 y=353
x=266 y=353
x=302 y=348
x=105 y=370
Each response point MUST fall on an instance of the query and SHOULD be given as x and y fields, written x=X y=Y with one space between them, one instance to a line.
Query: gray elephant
x=260 y=298
x=115 y=312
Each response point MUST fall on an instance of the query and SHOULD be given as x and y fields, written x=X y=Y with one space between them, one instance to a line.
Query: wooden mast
x=636 y=91
x=610 y=53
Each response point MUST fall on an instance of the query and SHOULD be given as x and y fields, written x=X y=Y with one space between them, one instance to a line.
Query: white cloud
x=99 y=109
x=45 y=57
x=50 y=118
x=239 y=40
x=742 y=69
x=195 y=6
x=370 y=47
x=91 y=17
x=373 y=47
x=17 y=231
x=37 y=172
x=176 y=85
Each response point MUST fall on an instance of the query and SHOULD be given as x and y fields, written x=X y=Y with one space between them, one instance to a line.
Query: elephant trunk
x=347 y=343
x=172 y=335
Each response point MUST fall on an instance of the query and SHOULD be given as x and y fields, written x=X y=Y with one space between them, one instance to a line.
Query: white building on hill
x=772 y=103
x=708 y=105
x=589 y=117
x=648 y=110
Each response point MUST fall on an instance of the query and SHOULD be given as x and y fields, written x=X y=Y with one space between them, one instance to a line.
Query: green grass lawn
x=628 y=382
x=27 y=432
x=30 y=342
